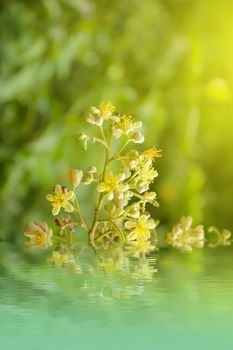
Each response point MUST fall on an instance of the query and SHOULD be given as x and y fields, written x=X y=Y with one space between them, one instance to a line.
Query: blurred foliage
x=168 y=62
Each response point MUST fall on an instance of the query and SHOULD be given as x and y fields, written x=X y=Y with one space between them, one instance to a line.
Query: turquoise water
x=172 y=300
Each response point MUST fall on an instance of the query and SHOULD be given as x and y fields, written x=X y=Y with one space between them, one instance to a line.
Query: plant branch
x=121 y=235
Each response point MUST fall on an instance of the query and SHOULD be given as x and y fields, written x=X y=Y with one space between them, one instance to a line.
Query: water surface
x=169 y=300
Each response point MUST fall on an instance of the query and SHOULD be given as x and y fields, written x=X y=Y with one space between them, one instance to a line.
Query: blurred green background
x=166 y=62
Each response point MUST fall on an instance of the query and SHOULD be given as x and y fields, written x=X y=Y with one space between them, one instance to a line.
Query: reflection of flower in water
x=144 y=270
x=126 y=276
x=60 y=259
x=140 y=248
x=184 y=237
x=115 y=276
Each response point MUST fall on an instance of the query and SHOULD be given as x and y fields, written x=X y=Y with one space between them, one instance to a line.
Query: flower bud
x=92 y=169
x=137 y=125
x=150 y=196
x=87 y=178
x=94 y=110
x=76 y=177
x=91 y=119
x=99 y=120
x=142 y=186
x=134 y=211
x=137 y=137
x=83 y=136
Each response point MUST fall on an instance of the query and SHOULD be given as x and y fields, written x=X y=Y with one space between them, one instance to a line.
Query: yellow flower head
x=140 y=229
x=125 y=125
x=61 y=199
x=130 y=160
x=39 y=235
x=152 y=153
x=184 y=237
x=106 y=110
x=112 y=186
x=148 y=174
x=75 y=177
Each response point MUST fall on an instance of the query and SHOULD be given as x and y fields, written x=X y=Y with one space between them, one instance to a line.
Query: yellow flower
x=39 y=235
x=105 y=111
x=75 y=177
x=112 y=186
x=140 y=228
x=184 y=237
x=152 y=153
x=61 y=199
x=146 y=175
x=130 y=160
x=125 y=126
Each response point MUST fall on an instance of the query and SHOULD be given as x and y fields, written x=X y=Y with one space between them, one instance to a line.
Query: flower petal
x=69 y=195
x=102 y=187
x=50 y=197
x=56 y=210
x=130 y=224
x=58 y=189
x=68 y=207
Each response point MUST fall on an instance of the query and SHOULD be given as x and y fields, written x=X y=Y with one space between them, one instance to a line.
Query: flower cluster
x=120 y=215
x=39 y=235
x=105 y=111
x=184 y=237
x=122 y=185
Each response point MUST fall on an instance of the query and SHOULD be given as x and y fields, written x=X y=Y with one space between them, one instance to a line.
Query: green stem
x=143 y=199
x=121 y=235
x=96 y=139
x=117 y=154
x=70 y=224
x=91 y=235
x=83 y=223
x=103 y=135
x=104 y=234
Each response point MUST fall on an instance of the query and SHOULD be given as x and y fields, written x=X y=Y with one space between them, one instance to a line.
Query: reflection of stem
x=105 y=274
x=80 y=250
x=59 y=239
